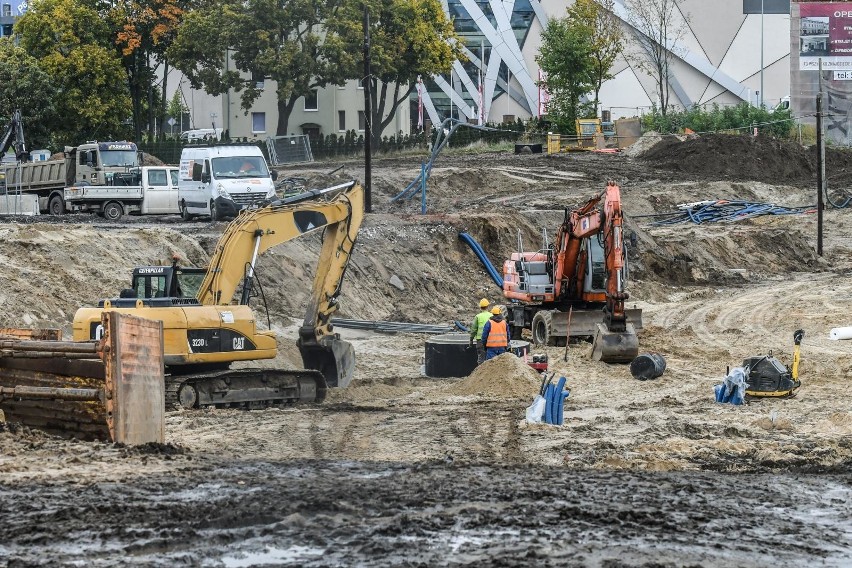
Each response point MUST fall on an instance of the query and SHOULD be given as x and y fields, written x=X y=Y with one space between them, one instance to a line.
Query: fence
x=348 y=145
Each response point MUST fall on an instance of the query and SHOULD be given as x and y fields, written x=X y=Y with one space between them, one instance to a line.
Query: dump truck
x=90 y=164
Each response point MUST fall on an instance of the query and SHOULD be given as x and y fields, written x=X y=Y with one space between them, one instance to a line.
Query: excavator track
x=244 y=388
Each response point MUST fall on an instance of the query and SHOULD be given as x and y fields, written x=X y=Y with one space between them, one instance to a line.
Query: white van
x=201 y=134
x=220 y=181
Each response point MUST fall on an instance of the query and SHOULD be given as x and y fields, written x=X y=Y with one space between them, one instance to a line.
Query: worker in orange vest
x=495 y=335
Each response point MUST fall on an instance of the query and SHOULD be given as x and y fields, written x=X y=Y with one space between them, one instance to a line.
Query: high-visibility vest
x=480 y=321
x=498 y=335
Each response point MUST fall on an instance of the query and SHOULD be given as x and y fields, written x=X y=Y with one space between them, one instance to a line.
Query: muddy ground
x=401 y=469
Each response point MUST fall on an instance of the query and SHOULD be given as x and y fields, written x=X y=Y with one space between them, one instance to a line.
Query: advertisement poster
x=825 y=33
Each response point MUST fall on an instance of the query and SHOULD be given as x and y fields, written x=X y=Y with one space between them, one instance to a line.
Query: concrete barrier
x=19 y=204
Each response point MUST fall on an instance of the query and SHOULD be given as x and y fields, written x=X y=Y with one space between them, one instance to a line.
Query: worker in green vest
x=476 y=329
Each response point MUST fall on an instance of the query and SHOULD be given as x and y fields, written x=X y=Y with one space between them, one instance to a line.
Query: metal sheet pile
x=110 y=389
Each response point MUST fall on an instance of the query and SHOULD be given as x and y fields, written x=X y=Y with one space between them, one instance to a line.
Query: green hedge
x=741 y=117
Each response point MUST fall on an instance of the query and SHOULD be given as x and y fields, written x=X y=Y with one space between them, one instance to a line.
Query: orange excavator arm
x=613 y=232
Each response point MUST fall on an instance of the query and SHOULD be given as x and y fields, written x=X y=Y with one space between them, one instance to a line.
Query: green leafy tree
x=407 y=38
x=144 y=29
x=606 y=37
x=566 y=58
x=70 y=39
x=237 y=44
x=177 y=107
x=25 y=86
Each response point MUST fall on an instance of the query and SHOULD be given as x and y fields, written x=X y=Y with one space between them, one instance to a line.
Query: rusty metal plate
x=135 y=386
x=44 y=334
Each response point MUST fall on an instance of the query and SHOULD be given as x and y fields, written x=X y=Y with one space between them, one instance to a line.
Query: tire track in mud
x=766 y=314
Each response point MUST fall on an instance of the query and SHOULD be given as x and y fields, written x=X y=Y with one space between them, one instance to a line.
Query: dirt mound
x=734 y=157
x=504 y=376
x=645 y=143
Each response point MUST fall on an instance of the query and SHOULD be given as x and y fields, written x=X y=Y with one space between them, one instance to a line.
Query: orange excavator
x=576 y=285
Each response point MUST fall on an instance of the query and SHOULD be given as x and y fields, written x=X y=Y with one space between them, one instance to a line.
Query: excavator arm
x=254 y=232
x=613 y=243
x=14 y=136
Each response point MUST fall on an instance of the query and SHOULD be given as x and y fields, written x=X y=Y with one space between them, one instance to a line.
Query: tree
x=145 y=30
x=237 y=44
x=607 y=38
x=25 y=86
x=177 y=108
x=407 y=38
x=68 y=38
x=660 y=29
x=566 y=59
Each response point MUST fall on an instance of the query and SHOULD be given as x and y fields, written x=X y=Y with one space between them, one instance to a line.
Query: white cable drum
x=840 y=333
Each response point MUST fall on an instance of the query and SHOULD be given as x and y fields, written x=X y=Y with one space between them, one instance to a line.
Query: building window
x=311 y=102
x=362 y=120
x=258 y=79
x=258 y=122
x=341 y=120
x=7 y=10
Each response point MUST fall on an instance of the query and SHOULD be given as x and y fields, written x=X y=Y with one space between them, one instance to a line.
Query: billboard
x=825 y=32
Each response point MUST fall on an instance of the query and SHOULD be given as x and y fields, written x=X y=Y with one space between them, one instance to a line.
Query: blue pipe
x=477 y=249
x=557 y=407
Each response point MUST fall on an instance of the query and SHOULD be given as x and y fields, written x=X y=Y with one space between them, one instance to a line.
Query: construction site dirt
x=402 y=469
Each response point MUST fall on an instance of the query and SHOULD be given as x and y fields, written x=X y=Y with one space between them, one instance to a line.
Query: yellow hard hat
x=483 y=303
x=496 y=310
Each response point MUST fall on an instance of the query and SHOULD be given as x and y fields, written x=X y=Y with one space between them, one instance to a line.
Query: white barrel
x=840 y=333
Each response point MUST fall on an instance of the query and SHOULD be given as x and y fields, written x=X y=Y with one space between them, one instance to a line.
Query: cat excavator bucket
x=331 y=356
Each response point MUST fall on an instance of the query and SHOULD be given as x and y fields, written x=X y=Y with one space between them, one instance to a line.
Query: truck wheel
x=113 y=211
x=184 y=214
x=214 y=213
x=56 y=205
x=542 y=326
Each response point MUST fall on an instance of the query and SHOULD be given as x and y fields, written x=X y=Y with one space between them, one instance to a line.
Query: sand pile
x=505 y=376
x=643 y=144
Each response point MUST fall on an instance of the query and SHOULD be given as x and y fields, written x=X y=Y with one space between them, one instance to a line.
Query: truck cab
x=100 y=163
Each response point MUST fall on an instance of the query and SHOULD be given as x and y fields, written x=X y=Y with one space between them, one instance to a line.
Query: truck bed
x=123 y=193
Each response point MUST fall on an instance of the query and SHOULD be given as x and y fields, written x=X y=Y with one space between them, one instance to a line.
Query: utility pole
x=762 y=95
x=820 y=162
x=368 y=117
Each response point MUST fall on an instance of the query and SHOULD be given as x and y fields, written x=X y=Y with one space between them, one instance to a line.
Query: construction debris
x=112 y=388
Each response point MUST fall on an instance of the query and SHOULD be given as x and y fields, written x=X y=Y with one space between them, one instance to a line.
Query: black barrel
x=648 y=366
x=519 y=348
x=449 y=355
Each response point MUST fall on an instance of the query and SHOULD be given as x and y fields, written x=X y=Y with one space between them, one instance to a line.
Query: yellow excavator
x=205 y=328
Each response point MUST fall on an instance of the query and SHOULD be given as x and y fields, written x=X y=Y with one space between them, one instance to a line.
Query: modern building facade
x=722 y=57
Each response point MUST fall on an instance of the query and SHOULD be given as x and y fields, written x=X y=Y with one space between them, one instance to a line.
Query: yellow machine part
x=194 y=334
